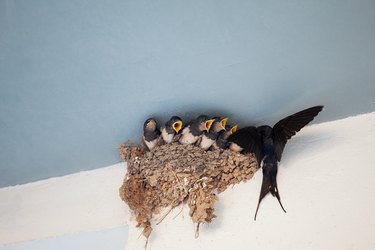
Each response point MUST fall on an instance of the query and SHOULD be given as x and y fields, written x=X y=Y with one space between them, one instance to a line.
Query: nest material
x=173 y=174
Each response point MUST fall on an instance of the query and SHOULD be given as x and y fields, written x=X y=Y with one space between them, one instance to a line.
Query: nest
x=174 y=174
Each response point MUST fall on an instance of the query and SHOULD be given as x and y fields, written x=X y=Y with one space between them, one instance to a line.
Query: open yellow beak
x=208 y=124
x=224 y=122
x=234 y=129
x=177 y=126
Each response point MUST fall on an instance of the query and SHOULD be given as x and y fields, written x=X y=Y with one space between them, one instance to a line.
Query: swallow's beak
x=208 y=124
x=233 y=129
x=224 y=122
x=177 y=126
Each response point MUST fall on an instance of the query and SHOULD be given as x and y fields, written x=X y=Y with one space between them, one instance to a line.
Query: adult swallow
x=151 y=134
x=267 y=143
x=171 y=129
x=192 y=132
x=222 y=139
x=209 y=137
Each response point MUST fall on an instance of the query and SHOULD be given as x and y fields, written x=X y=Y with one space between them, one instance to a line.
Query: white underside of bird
x=206 y=142
x=168 y=138
x=150 y=144
x=235 y=147
x=187 y=137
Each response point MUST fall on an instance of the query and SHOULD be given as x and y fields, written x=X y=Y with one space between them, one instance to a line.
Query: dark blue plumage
x=267 y=143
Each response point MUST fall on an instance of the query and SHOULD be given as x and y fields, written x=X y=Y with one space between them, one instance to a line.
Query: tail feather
x=276 y=193
x=269 y=185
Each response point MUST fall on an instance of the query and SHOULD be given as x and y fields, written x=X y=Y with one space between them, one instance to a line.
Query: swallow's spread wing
x=250 y=140
x=289 y=126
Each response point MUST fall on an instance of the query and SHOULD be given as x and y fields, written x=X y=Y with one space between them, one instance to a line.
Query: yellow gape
x=224 y=122
x=233 y=129
x=177 y=126
x=208 y=124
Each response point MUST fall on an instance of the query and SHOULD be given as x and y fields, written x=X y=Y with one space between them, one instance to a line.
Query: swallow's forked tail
x=269 y=185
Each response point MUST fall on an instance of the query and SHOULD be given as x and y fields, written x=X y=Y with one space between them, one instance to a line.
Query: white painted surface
x=111 y=239
x=325 y=181
x=81 y=202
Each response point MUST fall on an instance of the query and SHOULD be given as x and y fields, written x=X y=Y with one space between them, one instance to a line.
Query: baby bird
x=222 y=139
x=192 y=132
x=209 y=137
x=151 y=134
x=171 y=129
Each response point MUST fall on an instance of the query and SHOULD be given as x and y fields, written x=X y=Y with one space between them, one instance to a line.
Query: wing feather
x=249 y=139
x=289 y=126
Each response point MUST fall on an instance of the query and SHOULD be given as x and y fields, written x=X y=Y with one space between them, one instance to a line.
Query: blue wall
x=77 y=78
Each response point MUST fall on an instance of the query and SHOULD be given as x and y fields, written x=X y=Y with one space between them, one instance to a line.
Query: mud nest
x=173 y=174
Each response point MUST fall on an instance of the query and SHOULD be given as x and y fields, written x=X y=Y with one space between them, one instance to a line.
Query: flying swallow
x=192 y=132
x=171 y=129
x=267 y=143
x=151 y=134
x=209 y=137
